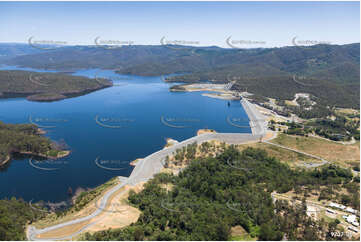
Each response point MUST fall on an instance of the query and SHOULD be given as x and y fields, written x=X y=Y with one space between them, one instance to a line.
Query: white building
x=351 y=219
x=336 y=205
x=350 y=210
x=355 y=224
x=353 y=229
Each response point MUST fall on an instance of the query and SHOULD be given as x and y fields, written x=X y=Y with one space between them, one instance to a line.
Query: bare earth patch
x=203 y=131
x=240 y=234
x=291 y=158
x=118 y=212
x=68 y=230
x=339 y=153
x=52 y=219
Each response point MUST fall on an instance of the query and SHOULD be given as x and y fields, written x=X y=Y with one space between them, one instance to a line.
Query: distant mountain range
x=12 y=50
x=271 y=72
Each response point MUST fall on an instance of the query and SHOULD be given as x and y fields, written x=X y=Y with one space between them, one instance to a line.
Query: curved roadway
x=146 y=168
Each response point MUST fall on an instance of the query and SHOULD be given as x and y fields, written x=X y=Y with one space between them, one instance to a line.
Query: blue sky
x=208 y=23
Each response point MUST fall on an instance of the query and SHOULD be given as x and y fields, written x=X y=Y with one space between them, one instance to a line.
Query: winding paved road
x=313 y=165
x=146 y=168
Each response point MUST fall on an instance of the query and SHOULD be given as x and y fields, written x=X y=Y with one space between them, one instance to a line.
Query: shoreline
x=221 y=95
x=9 y=157
x=218 y=91
x=66 y=153
x=146 y=168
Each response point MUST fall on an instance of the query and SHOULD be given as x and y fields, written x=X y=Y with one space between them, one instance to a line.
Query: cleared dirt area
x=63 y=231
x=203 y=131
x=53 y=219
x=238 y=233
x=291 y=103
x=348 y=111
x=117 y=214
x=293 y=159
x=334 y=152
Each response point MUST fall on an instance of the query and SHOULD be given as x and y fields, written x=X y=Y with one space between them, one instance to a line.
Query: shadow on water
x=18 y=157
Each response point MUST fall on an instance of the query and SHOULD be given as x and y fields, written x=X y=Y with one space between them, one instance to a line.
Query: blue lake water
x=134 y=107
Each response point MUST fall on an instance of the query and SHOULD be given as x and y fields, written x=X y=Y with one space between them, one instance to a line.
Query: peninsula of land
x=47 y=87
x=26 y=139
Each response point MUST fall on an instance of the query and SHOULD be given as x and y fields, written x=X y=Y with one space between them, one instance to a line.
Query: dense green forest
x=22 y=138
x=46 y=86
x=14 y=215
x=212 y=195
x=329 y=72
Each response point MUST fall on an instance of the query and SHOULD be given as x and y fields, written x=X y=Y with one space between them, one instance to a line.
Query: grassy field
x=344 y=155
x=348 y=111
x=293 y=159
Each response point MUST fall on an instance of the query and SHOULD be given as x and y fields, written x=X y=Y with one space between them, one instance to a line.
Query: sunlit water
x=134 y=108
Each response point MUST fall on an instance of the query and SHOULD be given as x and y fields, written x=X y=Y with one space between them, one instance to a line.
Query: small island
x=170 y=142
x=134 y=162
x=47 y=87
x=26 y=139
x=204 y=131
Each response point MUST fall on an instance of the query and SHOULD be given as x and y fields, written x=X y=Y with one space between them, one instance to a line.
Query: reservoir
x=107 y=129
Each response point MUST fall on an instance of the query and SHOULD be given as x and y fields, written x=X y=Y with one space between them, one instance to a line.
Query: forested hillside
x=330 y=72
x=14 y=215
x=22 y=138
x=46 y=86
x=212 y=195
